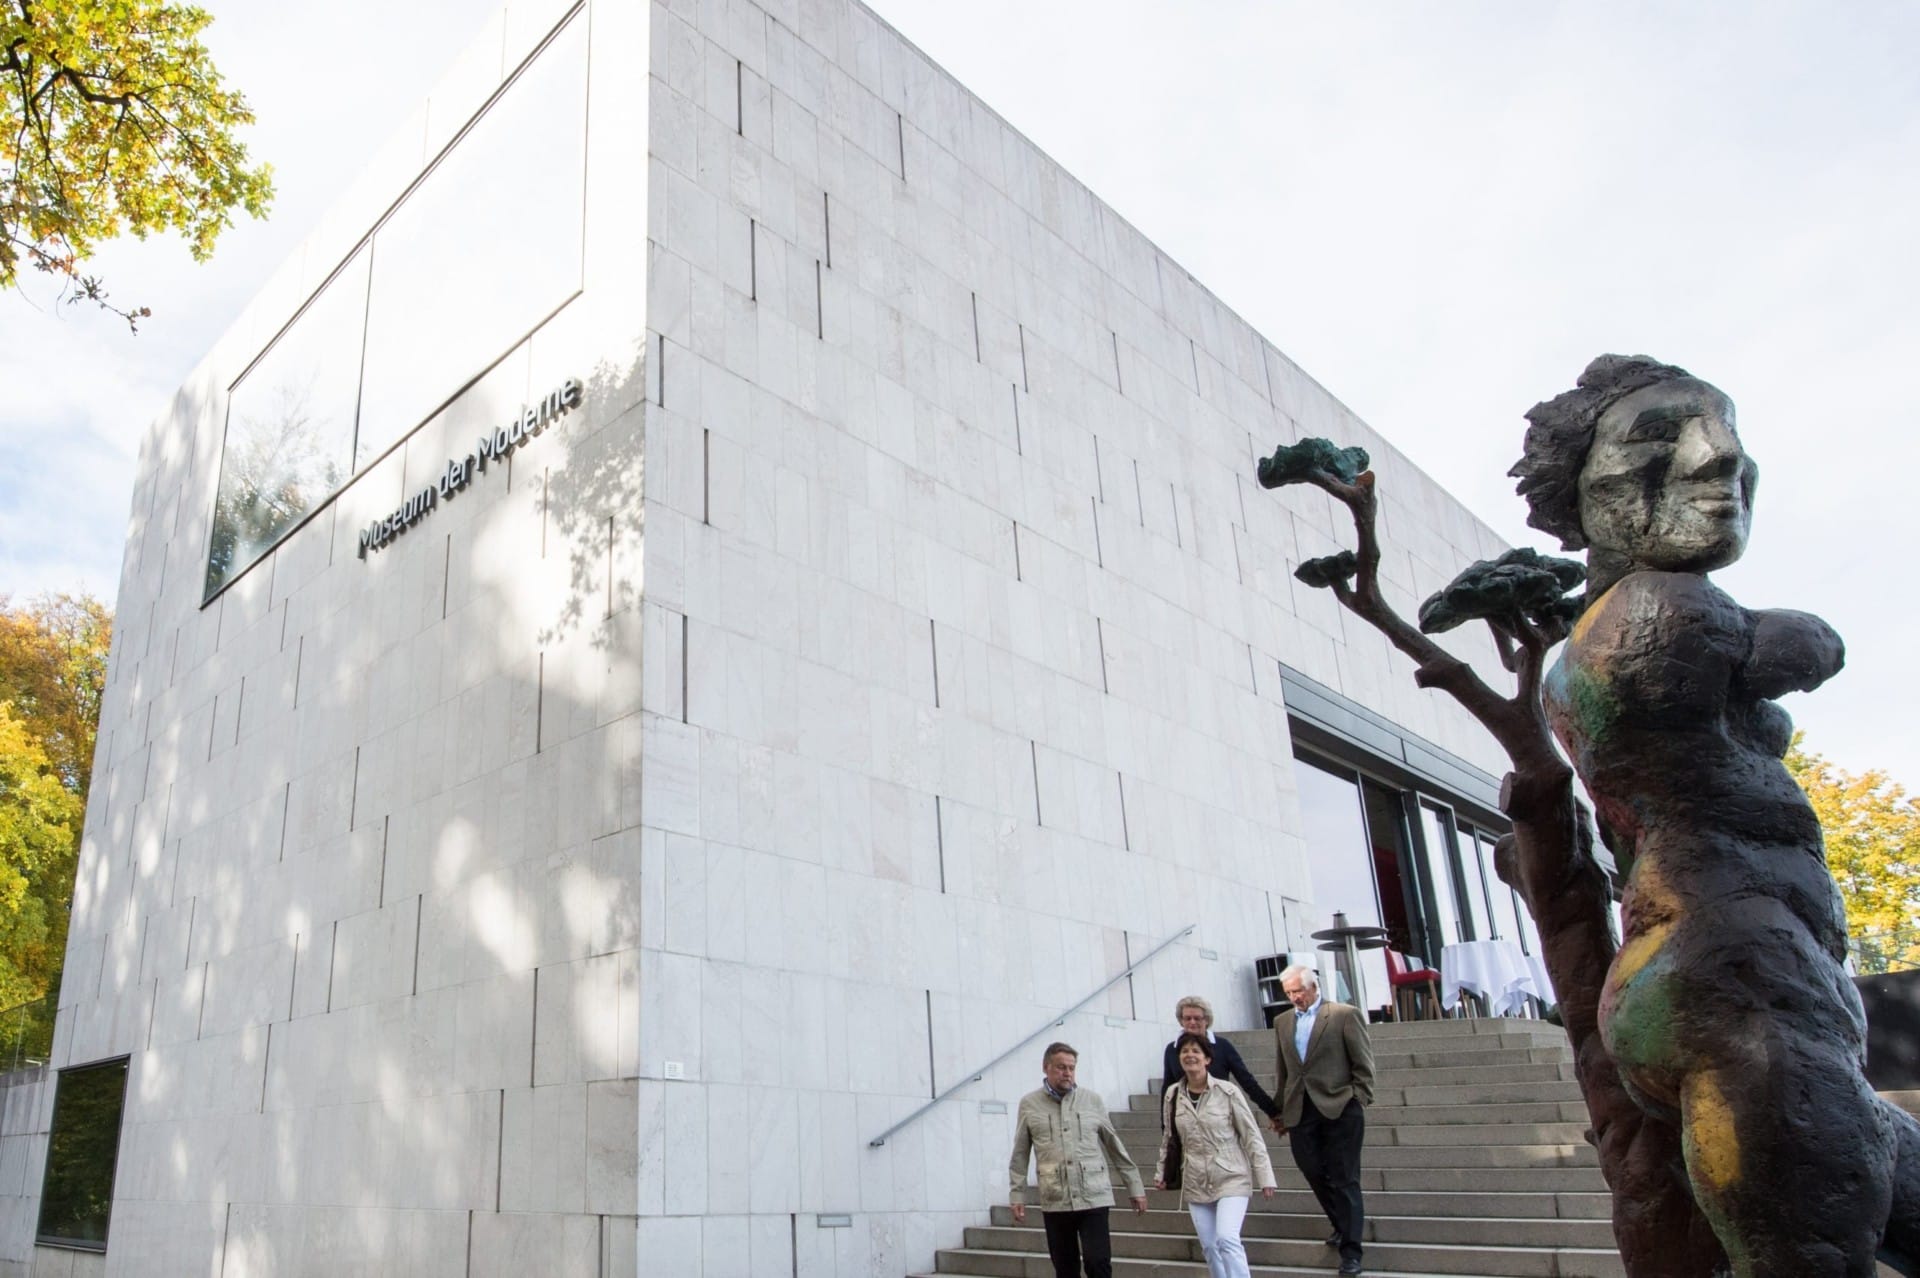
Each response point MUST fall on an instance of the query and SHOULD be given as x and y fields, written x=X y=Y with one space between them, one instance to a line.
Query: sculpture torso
x=1662 y=701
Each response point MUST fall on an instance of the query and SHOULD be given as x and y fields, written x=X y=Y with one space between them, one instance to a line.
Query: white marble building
x=572 y=874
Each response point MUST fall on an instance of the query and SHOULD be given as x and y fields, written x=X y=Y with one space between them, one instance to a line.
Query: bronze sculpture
x=1724 y=1032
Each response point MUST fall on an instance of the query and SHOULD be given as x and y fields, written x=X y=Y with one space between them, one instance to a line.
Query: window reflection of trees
x=278 y=467
x=77 y=1197
x=290 y=427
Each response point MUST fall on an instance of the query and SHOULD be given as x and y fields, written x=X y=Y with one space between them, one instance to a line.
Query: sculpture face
x=1666 y=485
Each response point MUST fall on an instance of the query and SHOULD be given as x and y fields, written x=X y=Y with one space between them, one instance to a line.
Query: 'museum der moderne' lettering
x=459 y=472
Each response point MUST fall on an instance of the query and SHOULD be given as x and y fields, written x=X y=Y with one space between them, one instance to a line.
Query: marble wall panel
x=992 y=445
x=900 y=668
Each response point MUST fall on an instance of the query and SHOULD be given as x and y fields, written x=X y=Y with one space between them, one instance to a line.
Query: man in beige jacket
x=1325 y=1084
x=1066 y=1131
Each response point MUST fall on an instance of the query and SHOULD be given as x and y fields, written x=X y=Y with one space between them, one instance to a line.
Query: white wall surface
x=883 y=656
x=962 y=621
x=359 y=889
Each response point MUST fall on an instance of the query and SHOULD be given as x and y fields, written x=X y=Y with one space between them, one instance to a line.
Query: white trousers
x=1218 y=1224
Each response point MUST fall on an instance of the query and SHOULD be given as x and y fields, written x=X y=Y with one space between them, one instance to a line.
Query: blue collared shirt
x=1303 y=1027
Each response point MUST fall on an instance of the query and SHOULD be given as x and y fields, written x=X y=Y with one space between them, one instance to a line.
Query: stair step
x=1395 y=1038
x=1509 y=1157
x=1595 y=1204
x=1271 y=1258
x=1448 y=1028
x=1145 y=1142
x=1388 y=1080
x=1491 y=1180
x=1416 y=1056
x=1389 y=1111
x=1303 y=1221
x=1124 y=1268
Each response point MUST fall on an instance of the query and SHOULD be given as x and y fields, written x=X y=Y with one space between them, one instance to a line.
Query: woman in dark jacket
x=1195 y=1015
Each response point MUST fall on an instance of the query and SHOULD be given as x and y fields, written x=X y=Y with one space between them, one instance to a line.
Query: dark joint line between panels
x=940 y=839
x=1033 y=755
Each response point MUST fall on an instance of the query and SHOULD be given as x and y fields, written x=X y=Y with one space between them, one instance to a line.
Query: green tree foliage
x=113 y=119
x=1872 y=829
x=53 y=660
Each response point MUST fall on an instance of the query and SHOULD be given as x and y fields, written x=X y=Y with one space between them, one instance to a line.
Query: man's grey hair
x=1307 y=975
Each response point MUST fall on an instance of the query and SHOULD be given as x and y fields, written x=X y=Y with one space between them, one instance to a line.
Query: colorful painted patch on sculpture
x=1711 y=1142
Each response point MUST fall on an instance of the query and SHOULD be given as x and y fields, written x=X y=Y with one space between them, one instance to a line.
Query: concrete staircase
x=1476 y=1164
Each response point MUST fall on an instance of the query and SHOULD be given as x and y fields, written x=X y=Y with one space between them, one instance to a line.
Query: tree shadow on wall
x=595 y=507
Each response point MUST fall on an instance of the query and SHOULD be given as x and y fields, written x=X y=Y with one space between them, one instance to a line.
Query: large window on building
x=1404 y=856
x=483 y=250
x=479 y=253
x=76 y=1198
x=1356 y=846
x=290 y=426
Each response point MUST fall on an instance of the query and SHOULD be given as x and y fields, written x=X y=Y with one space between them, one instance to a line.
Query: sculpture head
x=1640 y=463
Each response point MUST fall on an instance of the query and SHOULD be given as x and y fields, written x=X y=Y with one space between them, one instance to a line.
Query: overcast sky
x=1440 y=211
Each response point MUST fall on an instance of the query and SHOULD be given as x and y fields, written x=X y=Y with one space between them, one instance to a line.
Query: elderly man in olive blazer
x=1325 y=1084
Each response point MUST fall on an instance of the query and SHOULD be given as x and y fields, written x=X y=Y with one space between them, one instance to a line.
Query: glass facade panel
x=1392 y=859
x=1474 y=886
x=82 y=1150
x=1340 y=860
x=289 y=443
x=1529 y=937
x=1506 y=903
x=484 y=248
x=1455 y=923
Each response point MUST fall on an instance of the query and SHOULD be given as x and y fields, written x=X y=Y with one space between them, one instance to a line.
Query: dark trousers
x=1076 y=1235
x=1327 y=1152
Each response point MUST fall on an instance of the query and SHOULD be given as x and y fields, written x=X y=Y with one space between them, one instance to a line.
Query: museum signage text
x=459 y=471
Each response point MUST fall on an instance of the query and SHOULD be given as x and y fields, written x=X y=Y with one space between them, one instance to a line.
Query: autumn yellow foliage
x=53 y=656
x=1872 y=828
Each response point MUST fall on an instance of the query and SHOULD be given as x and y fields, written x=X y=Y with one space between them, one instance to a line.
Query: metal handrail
x=975 y=1076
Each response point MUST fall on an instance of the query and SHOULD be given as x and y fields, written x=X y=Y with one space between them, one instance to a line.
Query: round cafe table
x=1497 y=971
x=1350 y=939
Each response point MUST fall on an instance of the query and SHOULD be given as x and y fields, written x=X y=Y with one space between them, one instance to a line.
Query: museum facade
x=718 y=593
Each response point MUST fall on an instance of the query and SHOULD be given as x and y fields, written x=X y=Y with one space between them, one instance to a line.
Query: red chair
x=1409 y=982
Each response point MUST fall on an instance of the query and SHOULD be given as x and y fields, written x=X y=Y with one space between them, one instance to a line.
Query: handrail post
x=973 y=1076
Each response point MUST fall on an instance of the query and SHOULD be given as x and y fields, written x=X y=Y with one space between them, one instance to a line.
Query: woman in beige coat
x=1223 y=1155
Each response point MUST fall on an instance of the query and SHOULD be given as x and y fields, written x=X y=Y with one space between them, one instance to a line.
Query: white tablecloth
x=1498 y=971
x=1542 y=983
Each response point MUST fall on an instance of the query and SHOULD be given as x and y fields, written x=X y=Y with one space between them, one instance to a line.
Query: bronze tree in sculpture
x=1719 y=1048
